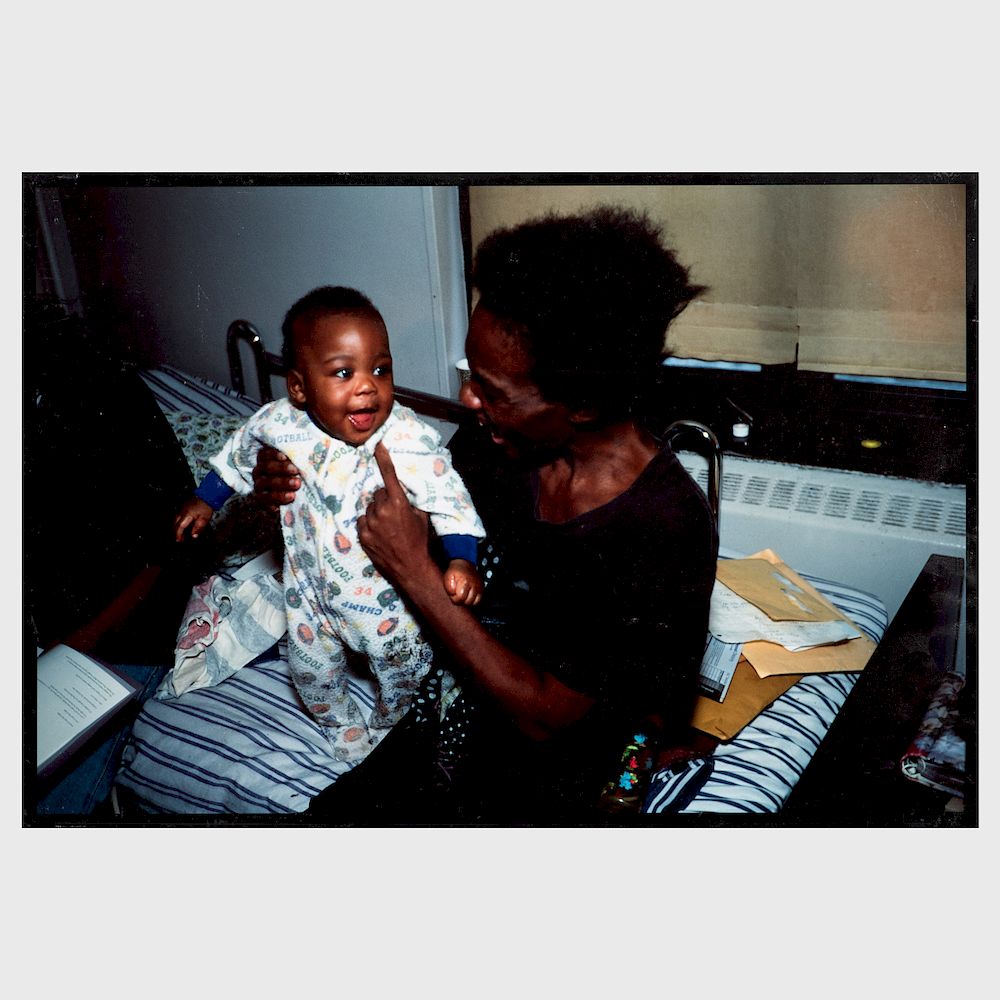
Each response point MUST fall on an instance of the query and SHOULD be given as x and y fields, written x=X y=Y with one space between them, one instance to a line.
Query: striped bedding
x=248 y=746
x=177 y=392
x=755 y=771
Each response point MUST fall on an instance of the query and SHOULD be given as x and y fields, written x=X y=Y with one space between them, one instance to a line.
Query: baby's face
x=343 y=375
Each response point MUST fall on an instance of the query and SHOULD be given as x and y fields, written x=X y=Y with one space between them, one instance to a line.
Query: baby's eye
x=383 y=370
x=343 y=373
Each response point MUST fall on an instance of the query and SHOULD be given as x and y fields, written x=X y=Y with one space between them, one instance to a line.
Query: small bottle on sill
x=740 y=442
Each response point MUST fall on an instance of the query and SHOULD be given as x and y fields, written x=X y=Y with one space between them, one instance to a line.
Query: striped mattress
x=178 y=392
x=248 y=746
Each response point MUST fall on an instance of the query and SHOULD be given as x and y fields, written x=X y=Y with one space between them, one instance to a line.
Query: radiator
x=873 y=532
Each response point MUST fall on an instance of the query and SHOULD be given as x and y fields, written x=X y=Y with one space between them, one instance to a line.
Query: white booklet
x=77 y=695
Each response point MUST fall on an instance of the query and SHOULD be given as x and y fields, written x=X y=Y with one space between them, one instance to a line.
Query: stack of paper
x=785 y=625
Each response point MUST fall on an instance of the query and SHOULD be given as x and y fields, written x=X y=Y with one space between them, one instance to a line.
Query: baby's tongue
x=362 y=421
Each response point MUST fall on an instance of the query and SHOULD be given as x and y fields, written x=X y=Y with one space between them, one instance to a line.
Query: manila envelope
x=750 y=691
x=747 y=697
x=765 y=585
x=769 y=659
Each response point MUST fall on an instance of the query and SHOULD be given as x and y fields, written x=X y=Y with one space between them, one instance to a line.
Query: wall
x=182 y=262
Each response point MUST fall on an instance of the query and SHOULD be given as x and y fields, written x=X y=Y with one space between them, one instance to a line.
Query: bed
x=246 y=746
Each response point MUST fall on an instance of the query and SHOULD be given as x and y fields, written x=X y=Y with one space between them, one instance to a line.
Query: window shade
x=852 y=278
x=881 y=285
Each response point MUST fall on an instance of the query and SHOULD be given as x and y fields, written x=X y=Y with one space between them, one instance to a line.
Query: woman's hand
x=395 y=534
x=275 y=478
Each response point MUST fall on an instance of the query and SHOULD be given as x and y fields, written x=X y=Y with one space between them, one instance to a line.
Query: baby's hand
x=462 y=583
x=195 y=515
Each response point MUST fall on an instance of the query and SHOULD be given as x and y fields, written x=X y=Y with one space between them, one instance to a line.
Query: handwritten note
x=734 y=619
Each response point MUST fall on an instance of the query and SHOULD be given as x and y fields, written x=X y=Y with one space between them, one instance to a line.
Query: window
x=857 y=278
x=848 y=296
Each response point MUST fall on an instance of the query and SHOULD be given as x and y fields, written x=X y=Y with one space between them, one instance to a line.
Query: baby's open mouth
x=362 y=420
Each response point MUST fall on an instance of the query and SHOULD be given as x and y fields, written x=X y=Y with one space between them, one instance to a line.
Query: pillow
x=202 y=435
x=242 y=529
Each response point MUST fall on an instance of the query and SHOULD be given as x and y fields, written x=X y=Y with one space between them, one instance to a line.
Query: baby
x=340 y=405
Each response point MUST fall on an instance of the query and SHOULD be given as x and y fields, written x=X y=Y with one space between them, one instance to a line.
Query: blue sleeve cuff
x=214 y=490
x=461 y=547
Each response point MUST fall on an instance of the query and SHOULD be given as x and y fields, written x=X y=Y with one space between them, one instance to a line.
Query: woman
x=602 y=549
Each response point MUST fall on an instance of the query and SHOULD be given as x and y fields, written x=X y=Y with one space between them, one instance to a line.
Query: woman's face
x=501 y=391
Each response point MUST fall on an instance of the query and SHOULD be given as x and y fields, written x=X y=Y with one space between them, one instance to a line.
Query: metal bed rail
x=709 y=447
x=266 y=364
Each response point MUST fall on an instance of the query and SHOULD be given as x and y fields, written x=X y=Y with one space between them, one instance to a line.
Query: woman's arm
x=395 y=536
x=275 y=478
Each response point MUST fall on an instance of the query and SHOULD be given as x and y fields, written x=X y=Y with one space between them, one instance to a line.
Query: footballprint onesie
x=334 y=596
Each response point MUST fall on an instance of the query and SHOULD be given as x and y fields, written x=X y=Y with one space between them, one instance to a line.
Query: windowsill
x=808 y=418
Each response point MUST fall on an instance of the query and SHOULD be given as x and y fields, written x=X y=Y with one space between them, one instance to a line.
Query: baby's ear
x=296 y=389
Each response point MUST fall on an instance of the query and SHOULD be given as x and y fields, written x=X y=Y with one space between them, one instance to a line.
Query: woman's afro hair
x=592 y=294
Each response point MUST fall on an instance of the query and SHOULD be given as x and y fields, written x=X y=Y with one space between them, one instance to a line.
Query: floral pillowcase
x=241 y=529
